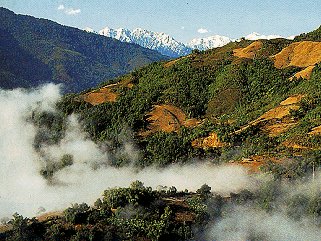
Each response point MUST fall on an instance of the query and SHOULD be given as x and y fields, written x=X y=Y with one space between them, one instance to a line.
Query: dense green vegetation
x=214 y=86
x=140 y=213
x=37 y=51
x=311 y=36
x=205 y=87
x=225 y=93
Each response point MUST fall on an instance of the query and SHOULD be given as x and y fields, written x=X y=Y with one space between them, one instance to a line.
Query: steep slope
x=249 y=51
x=315 y=35
x=305 y=73
x=35 y=51
x=300 y=54
x=206 y=103
x=304 y=54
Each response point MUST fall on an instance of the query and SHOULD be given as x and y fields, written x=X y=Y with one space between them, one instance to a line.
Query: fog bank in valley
x=25 y=191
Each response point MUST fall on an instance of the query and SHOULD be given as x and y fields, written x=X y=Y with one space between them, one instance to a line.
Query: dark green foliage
x=69 y=103
x=136 y=195
x=267 y=195
x=297 y=206
x=36 y=51
x=295 y=167
x=54 y=166
x=226 y=94
x=51 y=128
x=140 y=213
x=314 y=206
x=247 y=89
x=19 y=68
x=203 y=86
x=273 y=46
x=25 y=229
x=77 y=213
x=204 y=190
x=243 y=197
x=166 y=148
x=311 y=36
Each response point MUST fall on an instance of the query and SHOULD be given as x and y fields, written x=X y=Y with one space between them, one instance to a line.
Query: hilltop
x=36 y=51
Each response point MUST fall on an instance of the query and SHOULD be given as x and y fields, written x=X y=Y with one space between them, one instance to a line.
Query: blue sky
x=183 y=20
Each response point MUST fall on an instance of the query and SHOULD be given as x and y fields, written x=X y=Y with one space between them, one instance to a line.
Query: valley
x=218 y=144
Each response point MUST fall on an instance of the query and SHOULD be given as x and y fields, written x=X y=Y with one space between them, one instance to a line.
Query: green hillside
x=35 y=51
x=251 y=103
x=223 y=93
x=312 y=36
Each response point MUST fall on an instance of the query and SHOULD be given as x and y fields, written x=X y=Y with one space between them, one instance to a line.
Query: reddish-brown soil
x=212 y=141
x=300 y=54
x=278 y=128
x=249 y=51
x=167 y=118
x=315 y=131
x=277 y=117
x=107 y=93
x=254 y=163
x=100 y=96
x=305 y=73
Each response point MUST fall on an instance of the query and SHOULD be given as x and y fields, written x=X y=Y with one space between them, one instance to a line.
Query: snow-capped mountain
x=167 y=45
x=209 y=42
x=256 y=36
x=161 y=42
x=89 y=30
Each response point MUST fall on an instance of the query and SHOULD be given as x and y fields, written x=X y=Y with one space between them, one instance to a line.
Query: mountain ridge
x=168 y=45
x=159 y=41
x=36 y=51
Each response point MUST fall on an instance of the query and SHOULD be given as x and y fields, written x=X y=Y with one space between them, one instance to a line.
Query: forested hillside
x=206 y=104
x=36 y=51
x=254 y=104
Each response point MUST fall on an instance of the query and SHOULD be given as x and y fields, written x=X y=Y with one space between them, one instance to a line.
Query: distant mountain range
x=161 y=42
x=167 y=45
x=35 y=51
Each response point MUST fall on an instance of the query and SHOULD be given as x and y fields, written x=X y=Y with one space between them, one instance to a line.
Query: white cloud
x=69 y=11
x=61 y=7
x=202 y=30
x=182 y=27
x=243 y=222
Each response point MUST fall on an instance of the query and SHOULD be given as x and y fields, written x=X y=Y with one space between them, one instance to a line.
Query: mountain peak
x=76 y=61
x=162 y=42
x=209 y=42
x=256 y=36
x=158 y=41
x=167 y=45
